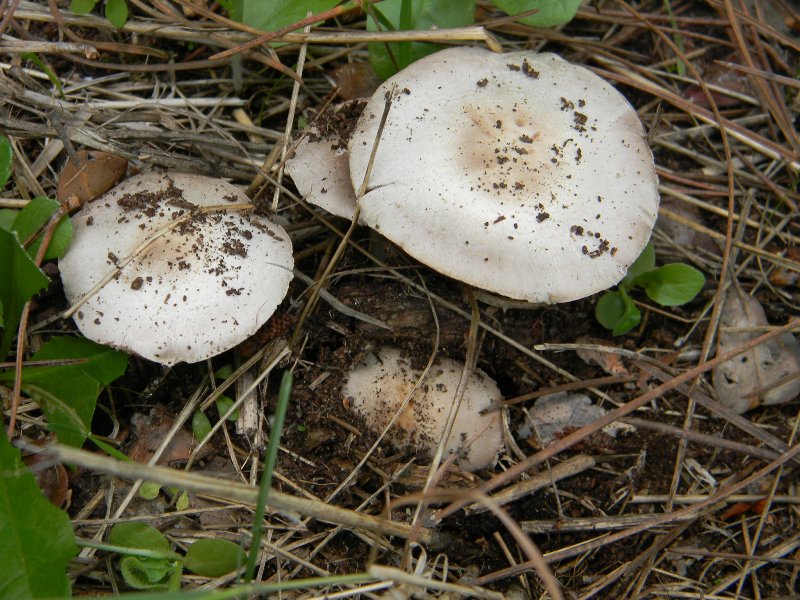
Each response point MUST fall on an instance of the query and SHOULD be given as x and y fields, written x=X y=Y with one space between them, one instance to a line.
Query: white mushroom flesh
x=320 y=163
x=195 y=291
x=518 y=173
x=376 y=390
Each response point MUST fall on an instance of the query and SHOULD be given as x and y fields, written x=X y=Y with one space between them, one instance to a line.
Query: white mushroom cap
x=320 y=165
x=377 y=387
x=196 y=291
x=518 y=173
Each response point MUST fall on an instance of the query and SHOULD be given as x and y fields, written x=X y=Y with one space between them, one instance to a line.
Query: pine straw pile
x=696 y=502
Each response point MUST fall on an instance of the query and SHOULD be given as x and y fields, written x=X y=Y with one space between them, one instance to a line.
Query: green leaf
x=149 y=490
x=33 y=217
x=35 y=59
x=617 y=312
x=275 y=14
x=551 y=12
x=107 y=448
x=212 y=558
x=144 y=573
x=224 y=405
x=673 y=284
x=140 y=536
x=425 y=14
x=7 y=218
x=182 y=503
x=82 y=7
x=406 y=24
x=223 y=372
x=68 y=393
x=201 y=426
x=103 y=364
x=117 y=12
x=36 y=538
x=646 y=262
x=6 y=158
x=21 y=279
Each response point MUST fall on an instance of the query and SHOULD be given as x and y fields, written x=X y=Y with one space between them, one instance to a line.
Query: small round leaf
x=117 y=12
x=617 y=312
x=140 y=536
x=224 y=405
x=201 y=426
x=212 y=558
x=149 y=490
x=153 y=574
x=673 y=284
x=550 y=12
x=82 y=7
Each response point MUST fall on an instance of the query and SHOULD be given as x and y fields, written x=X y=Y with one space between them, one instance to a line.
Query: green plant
x=36 y=59
x=5 y=160
x=64 y=376
x=284 y=392
x=397 y=15
x=549 y=13
x=669 y=285
x=149 y=563
x=275 y=14
x=37 y=538
x=66 y=389
x=402 y=15
x=116 y=11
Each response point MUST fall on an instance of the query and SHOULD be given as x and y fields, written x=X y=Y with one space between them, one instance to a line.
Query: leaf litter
x=183 y=115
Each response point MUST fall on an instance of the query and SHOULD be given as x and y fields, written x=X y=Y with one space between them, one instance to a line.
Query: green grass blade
x=269 y=464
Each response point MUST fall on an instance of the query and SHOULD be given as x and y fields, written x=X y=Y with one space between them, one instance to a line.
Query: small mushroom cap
x=377 y=387
x=518 y=173
x=320 y=164
x=196 y=291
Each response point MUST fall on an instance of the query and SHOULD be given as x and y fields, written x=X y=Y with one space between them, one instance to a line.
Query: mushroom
x=518 y=173
x=156 y=274
x=319 y=165
x=556 y=414
x=378 y=386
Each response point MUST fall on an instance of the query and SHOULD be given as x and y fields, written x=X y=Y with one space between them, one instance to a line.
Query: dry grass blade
x=611 y=416
x=233 y=491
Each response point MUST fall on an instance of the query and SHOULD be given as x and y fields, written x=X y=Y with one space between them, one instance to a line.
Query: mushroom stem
x=146 y=244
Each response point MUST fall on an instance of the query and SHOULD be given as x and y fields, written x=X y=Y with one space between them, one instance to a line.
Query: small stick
x=278 y=501
x=590 y=523
x=568 y=468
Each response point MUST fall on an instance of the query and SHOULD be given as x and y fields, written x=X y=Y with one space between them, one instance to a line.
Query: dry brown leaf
x=763 y=375
x=90 y=174
x=150 y=432
x=610 y=362
x=53 y=480
x=356 y=80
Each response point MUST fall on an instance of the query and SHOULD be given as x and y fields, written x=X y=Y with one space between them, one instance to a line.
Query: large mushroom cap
x=197 y=290
x=518 y=173
x=377 y=388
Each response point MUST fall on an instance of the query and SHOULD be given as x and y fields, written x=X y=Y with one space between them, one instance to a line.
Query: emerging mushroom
x=518 y=173
x=206 y=280
x=377 y=387
x=320 y=166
